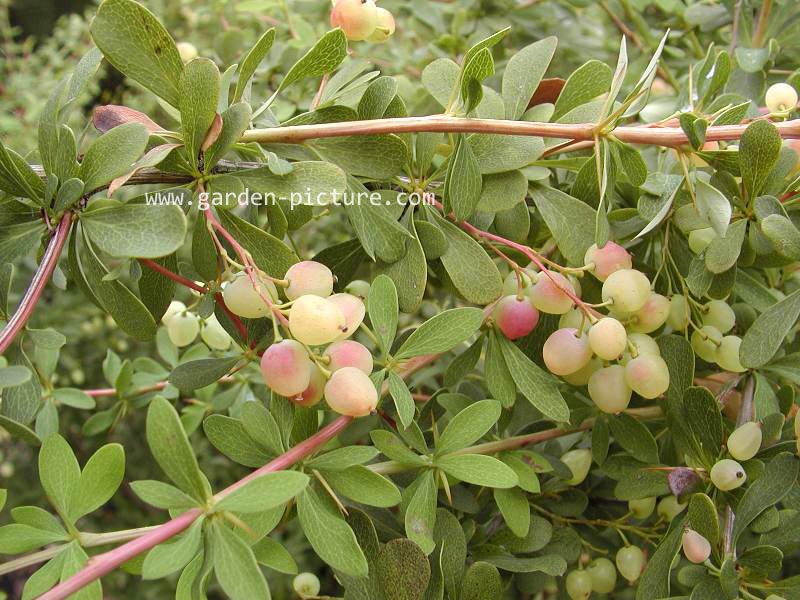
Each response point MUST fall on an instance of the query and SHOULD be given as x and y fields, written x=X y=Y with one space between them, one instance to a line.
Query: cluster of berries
x=362 y=20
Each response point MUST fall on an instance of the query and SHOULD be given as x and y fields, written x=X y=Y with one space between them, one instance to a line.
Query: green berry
x=727 y=354
x=728 y=475
x=608 y=338
x=608 y=389
x=627 y=289
x=720 y=315
x=678 y=317
x=705 y=342
x=579 y=462
x=306 y=585
x=642 y=508
x=579 y=585
x=630 y=562
x=603 y=574
x=669 y=507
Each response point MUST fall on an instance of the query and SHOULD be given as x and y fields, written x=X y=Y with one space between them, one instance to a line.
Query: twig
x=43 y=273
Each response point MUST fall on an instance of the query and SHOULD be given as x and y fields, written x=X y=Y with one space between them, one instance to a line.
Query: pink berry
x=652 y=315
x=357 y=18
x=515 y=317
x=353 y=309
x=384 y=28
x=566 y=351
x=286 y=368
x=348 y=353
x=308 y=277
x=548 y=294
x=316 y=388
x=611 y=257
x=350 y=392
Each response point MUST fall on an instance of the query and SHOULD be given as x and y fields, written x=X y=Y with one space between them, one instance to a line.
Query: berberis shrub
x=571 y=370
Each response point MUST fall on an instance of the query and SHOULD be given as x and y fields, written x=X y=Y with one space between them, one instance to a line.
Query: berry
x=727 y=475
x=183 y=328
x=627 y=289
x=643 y=343
x=306 y=585
x=699 y=239
x=358 y=288
x=347 y=353
x=630 y=562
x=652 y=315
x=678 y=317
x=187 y=51
x=608 y=338
x=565 y=351
x=515 y=317
x=579 y=585
x=308 y=277
x=603 y=574
x=579 y=461
x=548 y=295
x=315 y=321
x=214 y=334
x=350 y=392
x=384 y=29
x=720 y=315
x=669 y=507
x=608 y=389
x=353 y=309
x=608 y=259
x=647 y=375
x=642 y=508
x=574 y=318
x=315 y=390
x=357 y=18
x=175 y=307
x=286 y=368
x=243 y=299
x=584 y=374
x=528 y=276
x=780 y=97
x=696 y=548
x=727 y=354
x=705 y=342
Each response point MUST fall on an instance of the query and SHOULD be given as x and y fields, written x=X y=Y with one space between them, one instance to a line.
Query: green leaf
x=18 y=430
x=703 y=517
x=17 y=538
x=502 y=191
x=17 y=240
x=327 y=54
x=135 y=230
x=634 y=437
x=571 y=221
x=199 y=89
x=410 y=271
x=383 y=310
x=230 y=437
x=14 y=376
x=377 y=98
x=723 y=252
x=403 y=570
x=16 y=176
x=501 y=153
x=778 y=479
x=269 y=253
x=654 y=582
x=468 y=426
x=523 y=74
x=101 y=476
x=442 y=332
x=713 y=206
x=172 y=451
x=331 y=537
x=538 y=387
x=261 y=426
x=235 y=121
x=759 y=150
x=403 y=401
x=462 y=186
x=586 y=83
x=197 y=374
x=482 y=580
x=393 y=448
x=172 y=556
x=264 y=492
x=377 y=157
x=74 y=398
x=249 y=64
x=113 y=154
x=551 y=564
x=236 y=568
x=783 y=234
x=766 y=334
x=514 y=507
x=478 y=470
x=420 y=515
x=162 y=495
x=762 y=559
x=270 y=553
x=59 y=473
x=343 y=458
x=703 y=422
x=364 y=486
x=477 y=67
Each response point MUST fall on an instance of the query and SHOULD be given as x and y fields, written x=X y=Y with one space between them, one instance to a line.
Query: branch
x=104 y=563
x=43 y=273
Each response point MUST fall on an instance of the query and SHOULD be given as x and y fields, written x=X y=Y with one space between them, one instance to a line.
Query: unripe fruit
x=515 y=317
x=603 y=574
x=745 y=442
x=727 y=355
x=642 y=508
x=727 y=475
x=720 y=315
x=705 y=342
x=627 y=289
x=608 y=389
x=669 y=507
x=357 y=18
x=579 y=461
x=647 y=375
x=608 y=338
x=358 y=288
x=316 y=321
x=384 y=28
x=547 y=293
x=780 y=97
x=574 y=318
x=652 y=315
x=578 y=585
x=630 y=562
x=308 y=277
x=513 y=283
x=565 y=351
x=608 y=259
x=175 y=307
x=353 y=309
x=315 y=390
x=183 y=328
x=306 y=585
x=347 y=353
x=643 y=343
x=214 y=334
x=243 y=299
x=350 y=392
x=696 y=548
x=699 y=239
x=187 y=51
x=286 y=368
x=584 y=374
x=678 y=317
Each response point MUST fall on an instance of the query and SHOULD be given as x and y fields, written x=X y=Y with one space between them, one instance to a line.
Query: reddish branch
x=43 y=273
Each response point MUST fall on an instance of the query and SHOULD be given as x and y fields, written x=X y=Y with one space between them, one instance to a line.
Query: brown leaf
x=547 y=92
x=213 y=133
x=153 y=156
x=107 y=117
